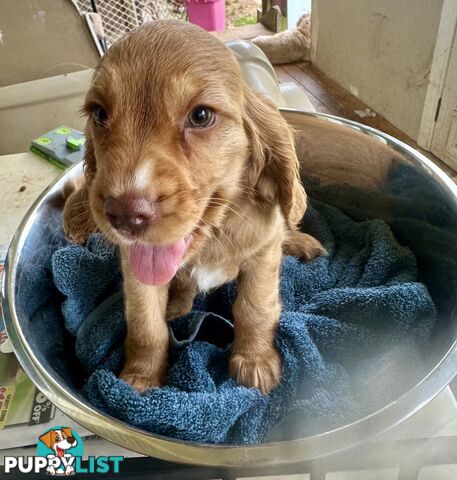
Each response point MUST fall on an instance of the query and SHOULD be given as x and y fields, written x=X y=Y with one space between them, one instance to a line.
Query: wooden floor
x=329 y=97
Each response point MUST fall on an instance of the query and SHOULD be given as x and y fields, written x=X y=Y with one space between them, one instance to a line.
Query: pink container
x=208 y=14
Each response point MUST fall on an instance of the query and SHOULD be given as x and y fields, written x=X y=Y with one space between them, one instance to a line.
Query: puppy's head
x=62 y=438
x=173 y=136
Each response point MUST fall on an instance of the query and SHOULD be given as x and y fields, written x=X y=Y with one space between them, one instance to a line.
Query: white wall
x=379 y=50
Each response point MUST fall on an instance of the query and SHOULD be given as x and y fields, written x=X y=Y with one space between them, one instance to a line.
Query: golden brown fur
x=233 y=186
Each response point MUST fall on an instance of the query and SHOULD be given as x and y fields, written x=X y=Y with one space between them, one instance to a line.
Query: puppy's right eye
x=200 y=117
x=99 y=115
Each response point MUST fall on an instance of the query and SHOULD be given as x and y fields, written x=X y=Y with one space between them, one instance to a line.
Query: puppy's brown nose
x=129 y=212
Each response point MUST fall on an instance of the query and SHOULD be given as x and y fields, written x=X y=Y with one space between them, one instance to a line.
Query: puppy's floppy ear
x=273 y=168
x=46 y=438
x=67 y=431
x=77 y=219
x=90 y=163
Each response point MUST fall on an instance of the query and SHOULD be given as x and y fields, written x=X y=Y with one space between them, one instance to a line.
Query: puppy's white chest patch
x=208 y=279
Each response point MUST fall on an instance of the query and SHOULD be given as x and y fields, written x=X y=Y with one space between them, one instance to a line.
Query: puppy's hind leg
x=302 y=245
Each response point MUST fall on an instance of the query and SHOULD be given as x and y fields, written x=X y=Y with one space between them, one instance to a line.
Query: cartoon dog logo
x=59 y=441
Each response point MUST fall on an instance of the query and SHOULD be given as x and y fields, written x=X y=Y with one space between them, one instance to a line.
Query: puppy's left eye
x=201 y=117
x=100 y=116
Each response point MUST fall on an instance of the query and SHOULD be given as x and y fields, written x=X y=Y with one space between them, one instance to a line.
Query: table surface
x=23 y=176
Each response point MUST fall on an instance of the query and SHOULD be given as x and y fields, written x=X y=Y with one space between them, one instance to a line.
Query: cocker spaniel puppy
x=195 y=178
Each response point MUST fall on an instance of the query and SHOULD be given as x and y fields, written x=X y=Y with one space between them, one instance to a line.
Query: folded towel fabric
x=349 y=321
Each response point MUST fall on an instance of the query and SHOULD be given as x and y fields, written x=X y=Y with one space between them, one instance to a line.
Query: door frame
x=438 y=72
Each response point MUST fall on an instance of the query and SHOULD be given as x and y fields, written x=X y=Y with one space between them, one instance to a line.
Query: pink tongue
x=156 y=264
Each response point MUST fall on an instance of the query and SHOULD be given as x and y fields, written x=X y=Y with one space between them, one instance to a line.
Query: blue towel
x=349 y=320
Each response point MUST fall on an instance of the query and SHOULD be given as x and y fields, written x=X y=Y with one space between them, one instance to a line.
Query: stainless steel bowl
x=39 y=227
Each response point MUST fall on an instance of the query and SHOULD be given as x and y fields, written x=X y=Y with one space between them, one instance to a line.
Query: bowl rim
x=181 y=451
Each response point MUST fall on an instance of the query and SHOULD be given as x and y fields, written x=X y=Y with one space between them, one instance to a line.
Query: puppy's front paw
x=51 y=470
x=142 y=382
x=69 y=470
x=258 y=371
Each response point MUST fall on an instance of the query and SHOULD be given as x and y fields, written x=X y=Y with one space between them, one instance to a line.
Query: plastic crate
x=208 y=14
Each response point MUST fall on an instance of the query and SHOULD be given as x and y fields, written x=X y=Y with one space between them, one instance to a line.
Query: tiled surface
x=438 y=472
x=435 y=472
x=279 y=477
x=380 y=474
